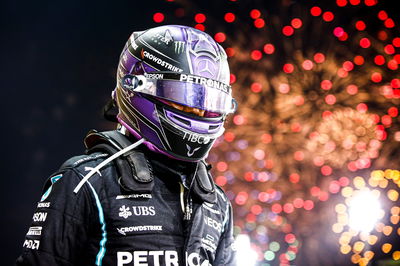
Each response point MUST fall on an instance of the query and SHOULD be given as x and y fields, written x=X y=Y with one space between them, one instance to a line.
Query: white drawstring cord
x=109 y=159
x=182 y=192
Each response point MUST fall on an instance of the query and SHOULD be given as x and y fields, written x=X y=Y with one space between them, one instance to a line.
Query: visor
x=185 y=89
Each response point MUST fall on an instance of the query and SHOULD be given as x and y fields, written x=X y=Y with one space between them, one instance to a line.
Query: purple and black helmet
x=180 y=65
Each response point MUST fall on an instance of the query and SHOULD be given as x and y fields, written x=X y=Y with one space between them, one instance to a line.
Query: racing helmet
x=173 y=90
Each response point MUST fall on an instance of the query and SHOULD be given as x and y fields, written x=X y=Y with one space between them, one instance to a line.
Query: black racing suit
x=176 y=223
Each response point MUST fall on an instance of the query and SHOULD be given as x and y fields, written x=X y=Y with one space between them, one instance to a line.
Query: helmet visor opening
x=202 y=93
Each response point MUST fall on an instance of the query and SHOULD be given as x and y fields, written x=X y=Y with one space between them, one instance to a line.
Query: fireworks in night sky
x=317 y=129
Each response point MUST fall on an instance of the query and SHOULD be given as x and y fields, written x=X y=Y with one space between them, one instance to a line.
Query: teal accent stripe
x=53 y=180
x=102 y=250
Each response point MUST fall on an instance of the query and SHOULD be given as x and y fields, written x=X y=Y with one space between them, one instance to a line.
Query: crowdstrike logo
x=124 y=212
x=140 y=228
x=160 y=62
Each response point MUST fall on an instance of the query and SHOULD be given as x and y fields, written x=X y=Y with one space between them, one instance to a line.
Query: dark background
x=58 y=62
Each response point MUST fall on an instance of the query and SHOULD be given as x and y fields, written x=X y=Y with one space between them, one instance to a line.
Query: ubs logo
x=143 y=210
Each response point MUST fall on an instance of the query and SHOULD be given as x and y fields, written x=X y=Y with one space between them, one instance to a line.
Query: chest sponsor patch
x=139 y=228
x=159 y=257
x=34 y=231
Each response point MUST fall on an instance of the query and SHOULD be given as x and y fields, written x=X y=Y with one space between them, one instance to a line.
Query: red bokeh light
x=298 y=156
x=348 y=66
x=355 y=2
x=389 y=49
x=229 y=17
x=259 y=23
x=386 y=120
x=326 y=170
x=294 y=178
x=370 y=2
x=315 y=11
x=341 y=3
x=360 y=25
x=284 y=88
x=229 y=136
x=376 y=77
x=239 y=120
x=256 y=55
x=393 y=65
x=288 y=208
x=241 y=198
x=395 y=83
x=307 y=64
x=276 y=208
x=319 y=58
x=232 y=78
x=269 y=48
x=382 y=15
x=326 y=84
x=255 y=13
x=308 y=205
x=256 y=87
x=220 y=37
x=352 y=89
x=330 y=99
x=379 y=60
x=222 y=166
x=298 y=202
x=365 y=43
x=359 y=60
x=296 y=23
x=200 y=27
x=256 y=209
x=362 y=107
x=397 y=58
x=200 y=18
x=396 y=41
x=326 y=115
x=230 y=51
x=266 y=138
x=328 y=16
x=382 y=35
x=288 y=68
x=342 y=72
x=221 y=180
x=393 y=111
x=158 y=17
x=287 y=30
x=389 y=23
x=338 y=31
x=344 y=37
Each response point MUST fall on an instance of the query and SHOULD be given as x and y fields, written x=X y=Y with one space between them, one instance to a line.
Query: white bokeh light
x=245 y=254
x=364 y=211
